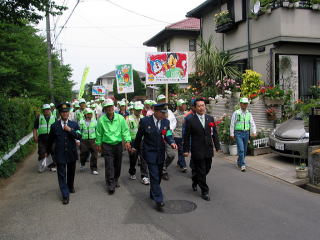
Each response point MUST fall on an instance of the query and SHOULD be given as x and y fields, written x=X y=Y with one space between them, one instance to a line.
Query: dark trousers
x=155 y=171
x=112 y=158
x=66 y=174
x=181 y=159
x=42 y=148
x=133 y=157
x=87 y=147
x=201 y=168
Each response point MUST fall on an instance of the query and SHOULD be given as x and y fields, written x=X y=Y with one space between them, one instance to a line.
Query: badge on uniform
x=165 y=128
x=149 y=127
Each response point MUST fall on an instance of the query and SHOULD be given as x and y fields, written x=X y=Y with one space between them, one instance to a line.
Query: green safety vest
x=44 y=126
x=79 y=115
x=133 y=126
x=242 y=121
x=88 y=132
x=54 y=113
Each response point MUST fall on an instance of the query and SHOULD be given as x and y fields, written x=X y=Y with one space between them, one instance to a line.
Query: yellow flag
x=83 y=82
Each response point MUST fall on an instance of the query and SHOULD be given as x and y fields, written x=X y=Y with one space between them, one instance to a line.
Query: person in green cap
x=123 y=109
x=88 y=128
x=180 y=115
x=79 y=112
x=241 y=125
x=133 y=123
x=111 y=130
x=41 y=131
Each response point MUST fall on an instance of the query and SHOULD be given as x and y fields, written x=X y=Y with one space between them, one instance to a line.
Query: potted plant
x=266 y=6
x=236 y=92
x=315 y=4
x=271 y=113
x=286 y=3
x=291 y=3
x=274 y=96
x=254 y=97
x=226 y=86
x=251 y=83
x=222 y=17
x=260 y=144
x=233 y=150
x=302 y=171
x=224 y=133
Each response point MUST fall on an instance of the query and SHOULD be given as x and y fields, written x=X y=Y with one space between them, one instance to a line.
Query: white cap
x=108 y=102
x=160 y=97
x=138 y=105
x=46 y=106
x=244 y=100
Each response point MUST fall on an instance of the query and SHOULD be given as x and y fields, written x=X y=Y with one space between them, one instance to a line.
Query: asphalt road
x=243 y=206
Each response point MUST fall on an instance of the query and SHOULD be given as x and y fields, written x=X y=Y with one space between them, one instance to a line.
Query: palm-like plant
x=213 y=65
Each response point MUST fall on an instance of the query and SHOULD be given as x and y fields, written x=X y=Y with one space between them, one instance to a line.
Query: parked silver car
x=290 y=139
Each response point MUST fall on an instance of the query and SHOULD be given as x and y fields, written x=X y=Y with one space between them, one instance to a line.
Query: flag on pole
x=83 y=82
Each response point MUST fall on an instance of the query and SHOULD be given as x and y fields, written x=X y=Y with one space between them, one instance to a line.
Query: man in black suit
x=63 y=135
x=201 y=133
x=155 y=132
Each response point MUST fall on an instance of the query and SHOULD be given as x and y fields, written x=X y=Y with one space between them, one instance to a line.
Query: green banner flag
x=83 y=82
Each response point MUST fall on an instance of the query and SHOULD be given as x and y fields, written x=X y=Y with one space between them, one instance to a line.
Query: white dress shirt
x=156 y=122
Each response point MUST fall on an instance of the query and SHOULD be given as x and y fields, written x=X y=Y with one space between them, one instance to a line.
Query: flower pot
x=236 y=95
x=227 y=96
x=271 y=117
x=297 y=4
x=224 y=148
x=233 y=150
x=285 y=4
x=302 y=173
x=291 y=5
x=269 y=11
x=255 y=100
x=306 y=129
x=212 y=101
x=315 y=6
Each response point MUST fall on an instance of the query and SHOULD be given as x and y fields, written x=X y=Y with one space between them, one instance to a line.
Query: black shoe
x=111 y=191
x=205 y=197
x=165 y=176
x=71 y=190
x=160 y=206
x=194 y=187
x=65 y=201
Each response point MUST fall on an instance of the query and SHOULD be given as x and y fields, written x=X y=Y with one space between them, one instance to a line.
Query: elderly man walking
x=241 y=124
x=111 y=130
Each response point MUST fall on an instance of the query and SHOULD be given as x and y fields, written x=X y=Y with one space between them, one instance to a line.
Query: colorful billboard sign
x=166 y=67
x=99 y=90
x=124 y=78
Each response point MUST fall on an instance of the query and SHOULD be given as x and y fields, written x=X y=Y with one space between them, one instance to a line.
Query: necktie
x=158 y=124
x=202 y=120
x=64 y=124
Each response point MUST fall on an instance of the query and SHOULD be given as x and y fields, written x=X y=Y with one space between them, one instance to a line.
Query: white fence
x=22 y=142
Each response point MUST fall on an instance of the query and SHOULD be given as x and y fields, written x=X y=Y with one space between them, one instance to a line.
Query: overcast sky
x=101 y=35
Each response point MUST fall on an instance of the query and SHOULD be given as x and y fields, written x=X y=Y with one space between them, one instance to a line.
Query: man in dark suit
x=201 y=133
x=155 y=131
x=63 y=136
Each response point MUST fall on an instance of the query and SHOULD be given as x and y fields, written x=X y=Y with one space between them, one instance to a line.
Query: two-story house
x=178 y=37
x=280 y=42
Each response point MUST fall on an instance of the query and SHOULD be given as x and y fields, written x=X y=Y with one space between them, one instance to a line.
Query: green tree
x=24 y=65
x=20 y=11
x=139 y=88
x=88 y=91
x=172 y=88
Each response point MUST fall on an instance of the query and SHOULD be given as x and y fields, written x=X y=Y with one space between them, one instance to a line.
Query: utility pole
x=50 y=78
x=61 y=56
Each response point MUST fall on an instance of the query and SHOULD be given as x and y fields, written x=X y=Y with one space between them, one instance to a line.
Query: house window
x=168 y=46
x=162 y=48
x=309 y=74
x=192 y=45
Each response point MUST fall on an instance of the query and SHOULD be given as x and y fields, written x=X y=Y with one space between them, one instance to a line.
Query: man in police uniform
x=155 y=131
x=241 y=124
x=41 y=130
x=63 y=135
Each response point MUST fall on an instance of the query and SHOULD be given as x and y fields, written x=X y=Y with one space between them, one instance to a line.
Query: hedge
x=16 y=120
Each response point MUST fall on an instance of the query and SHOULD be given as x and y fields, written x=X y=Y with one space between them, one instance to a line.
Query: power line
x=117 y=26
x=87 y=46
x=58 y=18
x=136 y=13
x=66 y=21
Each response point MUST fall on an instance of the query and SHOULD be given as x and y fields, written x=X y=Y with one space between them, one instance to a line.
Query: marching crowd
x=149 y=131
